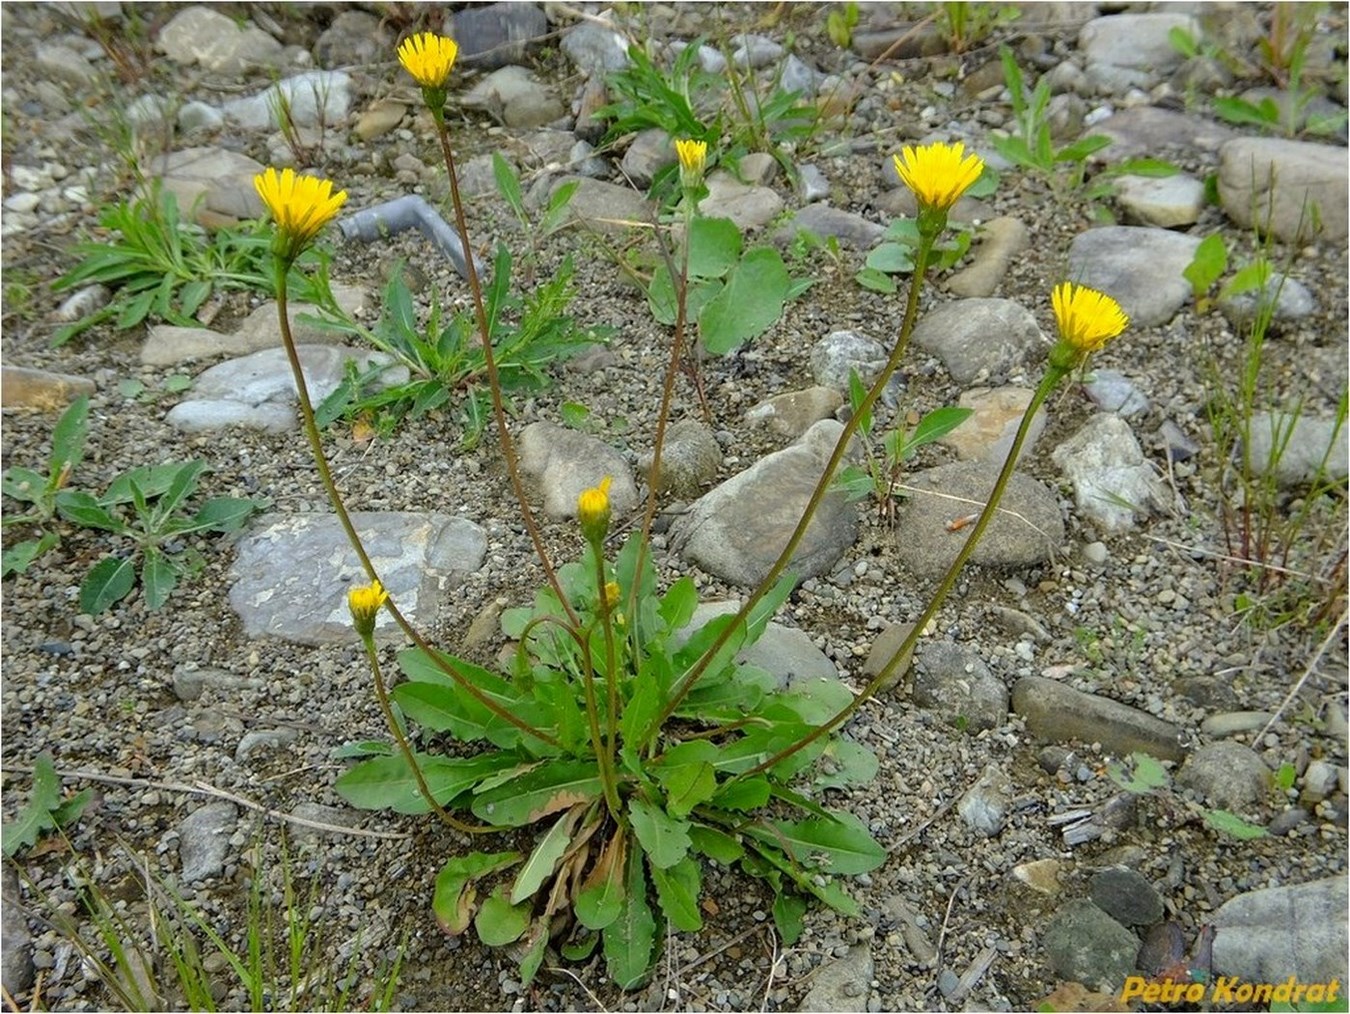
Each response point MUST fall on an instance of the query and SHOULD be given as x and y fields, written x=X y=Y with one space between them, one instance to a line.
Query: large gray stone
x=1308 y=448
x=787 y=652
x=1112 y=481
x=292 y=572
x=750 y=207
x=217 y=42
x=1001 y=240
x=980 y=340
x=1271 y=934
x=514 y=97
x=204 y=840
x=314 y=98
x=16 y=943
x=1137 y=41
x=606 y=207
x=494 y=35
x=1086 y=945
x=842 y=984
x=1062 y=714
x=1026 y=529
x=1146 y=130
x=1142 y=268
x=737 y=529
x=1227 y=775
x=954 y=681
x=565 y=462
x=1293 y=189
x=212 y=180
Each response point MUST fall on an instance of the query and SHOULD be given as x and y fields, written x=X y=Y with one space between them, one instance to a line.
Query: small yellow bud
x=593 y=511
x=693 y=159
x=365 y=603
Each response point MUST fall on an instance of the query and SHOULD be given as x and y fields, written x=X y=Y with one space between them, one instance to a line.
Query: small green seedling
x=40 y=492
x=1143 y=775
x=46 y=810
x=144 y=505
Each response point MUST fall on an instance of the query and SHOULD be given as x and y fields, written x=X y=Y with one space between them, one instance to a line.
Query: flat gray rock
x=221 y=180
x=737 y=529
x=292 y=572
x=514 y=97
x=606 y=207
x=750 y=207
x=258 y=390
x=787 y=652
x=214 y=40
x=1001 y=239
x=1141 y=268
x=1146 y=130
x=1291 y=299
x=314 y=98
x=1112 y=481
x=564 y=463
x=848 y=227
x=792 y=413
x=1026 y=529
x=987 y=434
x=1227 y=775
x=1308 y=446
x=1297 y=189
x=595 y=48
x=1084 y=944
x=980 y=341
x=1126 y=896
x=16 y=943
x=204 y=840
x=1136 y=41
x=954 y=682
x=984 y=806
x=1062 y=714
x=1271 y=934
x=690 y=458
x=842 y=984
x=650 y=152
x=840 y=353
x=1166 y=202
x=495 y=35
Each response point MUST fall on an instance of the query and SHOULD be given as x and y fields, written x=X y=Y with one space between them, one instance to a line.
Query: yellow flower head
x=693 y=159
x=938 y=173
x=1087 y=319
x=428 y=57
x=593 y=510
x=609 y=596
x=365 y=603
x=301 y=205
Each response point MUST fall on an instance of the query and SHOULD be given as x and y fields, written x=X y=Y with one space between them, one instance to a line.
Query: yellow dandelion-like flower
x=301 y=205
x=1087 y=319
x=593 y=510
x=693 y=159
x=428 y=57
x=938 y=173
x=365 y=603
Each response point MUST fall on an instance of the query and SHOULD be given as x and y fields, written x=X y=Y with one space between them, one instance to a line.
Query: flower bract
x=365 y=603
x=301 y=205
x=1087 y=319
x=428 y=57
x=938 y=173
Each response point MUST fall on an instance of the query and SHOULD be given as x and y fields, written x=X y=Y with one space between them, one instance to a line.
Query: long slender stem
x=926 y=240
x=1048 y=384
x=611 y=661
x=603 y=759
x=387 y=709
x=344 y=518
x=494 y=382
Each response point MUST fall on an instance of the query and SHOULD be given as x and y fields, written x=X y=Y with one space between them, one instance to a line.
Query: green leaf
x=600 y=900
x=1232 y=824
x=499 y=922
x=36 y=817
x=841 y=845
x=508 y=184
x=453 y=899
x=678 y=889
x=1082 y=148
x=1153 y=167
x=1147 y=774
x=891 y=258
x=749 y=304
x=535 y=946
x=937 y=424
x=688 y=783
x=715 y=844
x=986 y=185
x=788 y=912
x=875 y=281
x=68 y=438
x=388 y=782
x=664 y=838
x=553 y=786
x=546 y=855
x=158 y=576
x=223 y=514
x=854 y=482
x=152 y=481
x=17 y=558
x=854 y=764
x=857 y=394
x=1249 y=278
x=110 y=581
x=1207 y=265
x=83 y=509
x=629 y=939
x=23 y=484
x=679 y=602
x=714 y=246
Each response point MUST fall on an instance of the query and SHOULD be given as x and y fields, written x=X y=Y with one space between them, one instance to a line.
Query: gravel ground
x=1155 y=617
